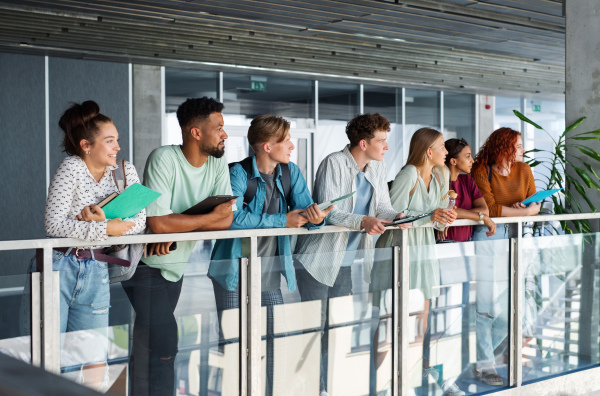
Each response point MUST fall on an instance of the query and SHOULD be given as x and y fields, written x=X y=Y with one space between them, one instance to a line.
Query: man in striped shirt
x=323 y=261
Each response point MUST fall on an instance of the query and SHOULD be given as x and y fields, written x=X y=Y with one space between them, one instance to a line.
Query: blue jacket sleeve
x=300 y=196
x=251 y=216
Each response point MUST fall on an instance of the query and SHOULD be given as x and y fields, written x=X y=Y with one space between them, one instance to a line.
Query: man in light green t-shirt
x=184 y=175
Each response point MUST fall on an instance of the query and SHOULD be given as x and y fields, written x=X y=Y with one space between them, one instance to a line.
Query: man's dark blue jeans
x=152 y=361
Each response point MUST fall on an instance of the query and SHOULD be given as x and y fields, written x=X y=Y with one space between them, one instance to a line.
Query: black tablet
x=208 y=204
x=409 y=219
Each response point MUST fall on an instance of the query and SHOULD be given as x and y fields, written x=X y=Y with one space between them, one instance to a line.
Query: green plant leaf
x=581 y=192
x=585 y=138
x=596 y=132
x=534 y=163
x=574 y=125
x=590 y=153
x=527 y=120
x=586 y=178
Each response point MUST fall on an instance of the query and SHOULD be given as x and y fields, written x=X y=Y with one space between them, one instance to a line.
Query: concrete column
x=582 y=72
x=147 y=113
x=582 y=98
x=485 y=122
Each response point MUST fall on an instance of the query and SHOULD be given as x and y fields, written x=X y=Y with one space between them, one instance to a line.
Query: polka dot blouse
x=73 y=187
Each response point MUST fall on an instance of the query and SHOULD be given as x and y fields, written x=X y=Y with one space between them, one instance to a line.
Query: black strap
x=489 y=173
x=286 y=182
x=252 y=183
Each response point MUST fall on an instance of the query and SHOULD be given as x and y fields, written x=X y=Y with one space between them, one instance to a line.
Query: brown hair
x=364 y=126
x=265 y=127
x=499 y=146
x=422 y=139
x=79 y=122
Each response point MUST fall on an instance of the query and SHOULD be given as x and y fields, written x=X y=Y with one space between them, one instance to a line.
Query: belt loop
x=68 y=251
x=92 y=253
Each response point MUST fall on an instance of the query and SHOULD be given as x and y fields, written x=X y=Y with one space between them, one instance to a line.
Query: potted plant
x=556 y=161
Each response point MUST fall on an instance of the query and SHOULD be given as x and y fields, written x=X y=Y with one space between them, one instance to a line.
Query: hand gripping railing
x=45 y=304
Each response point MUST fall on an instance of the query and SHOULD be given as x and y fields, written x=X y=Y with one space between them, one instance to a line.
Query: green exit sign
x=258 y=85
x=537 y=107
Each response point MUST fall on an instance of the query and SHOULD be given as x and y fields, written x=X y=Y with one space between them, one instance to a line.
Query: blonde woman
x=421 y=187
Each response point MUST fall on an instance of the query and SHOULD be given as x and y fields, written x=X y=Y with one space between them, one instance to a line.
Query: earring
x=88 y=153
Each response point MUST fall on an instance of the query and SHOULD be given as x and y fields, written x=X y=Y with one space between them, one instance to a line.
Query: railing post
x=243 y=337
x=516 y=308
x=401 y=289
x=50 y=314
x=36 y=320
x=254 y=321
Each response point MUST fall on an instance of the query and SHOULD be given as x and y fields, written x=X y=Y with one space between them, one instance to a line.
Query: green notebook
x=130 y=202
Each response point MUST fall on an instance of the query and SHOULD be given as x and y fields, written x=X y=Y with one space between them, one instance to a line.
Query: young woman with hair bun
x=82 y=180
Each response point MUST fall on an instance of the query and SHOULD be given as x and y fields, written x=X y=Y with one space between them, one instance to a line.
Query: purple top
x=467 y=192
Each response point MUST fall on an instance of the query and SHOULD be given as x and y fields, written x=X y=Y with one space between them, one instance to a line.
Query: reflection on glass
x=388 y=102
x=338 y=104
x=459 y=116
x=451 y=349
x=15 y=304
x=335 y=338
x=560 y=303
x=193 y=351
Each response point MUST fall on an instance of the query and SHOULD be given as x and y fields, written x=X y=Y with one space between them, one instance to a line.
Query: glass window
x=388 y=102
x=549 y=115
x=459 y=116
x=560 y=305
x=181 y=84
x=338 y=104
x=503 y=114
x=422 y=110
x=249 y=96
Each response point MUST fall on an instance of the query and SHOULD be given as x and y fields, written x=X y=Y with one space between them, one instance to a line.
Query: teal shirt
x=182 y=186
x=224 y=265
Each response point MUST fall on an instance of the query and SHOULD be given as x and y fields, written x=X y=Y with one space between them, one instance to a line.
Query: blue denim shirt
x=224 y=265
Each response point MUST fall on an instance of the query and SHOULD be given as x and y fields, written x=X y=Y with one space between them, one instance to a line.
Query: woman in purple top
x=470 y=204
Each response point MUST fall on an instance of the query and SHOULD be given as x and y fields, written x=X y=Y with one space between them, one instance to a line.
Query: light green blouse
x=424 y=264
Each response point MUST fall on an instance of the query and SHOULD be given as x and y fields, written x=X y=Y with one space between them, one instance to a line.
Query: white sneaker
x=451 y=389
x=324 y=393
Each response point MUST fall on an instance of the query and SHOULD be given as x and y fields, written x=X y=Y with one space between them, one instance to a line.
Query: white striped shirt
x=322 y=254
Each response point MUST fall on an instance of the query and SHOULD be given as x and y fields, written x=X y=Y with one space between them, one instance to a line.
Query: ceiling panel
x=513 y=46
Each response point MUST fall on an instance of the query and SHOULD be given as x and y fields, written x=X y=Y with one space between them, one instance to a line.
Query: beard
x=215 y=151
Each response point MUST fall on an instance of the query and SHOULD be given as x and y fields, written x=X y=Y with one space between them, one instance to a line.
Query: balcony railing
x=541 y=293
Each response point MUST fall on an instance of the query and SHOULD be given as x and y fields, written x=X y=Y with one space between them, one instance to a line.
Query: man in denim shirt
x=270 y=139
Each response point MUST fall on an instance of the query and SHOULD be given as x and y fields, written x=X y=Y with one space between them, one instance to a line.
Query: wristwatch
x=480 y=216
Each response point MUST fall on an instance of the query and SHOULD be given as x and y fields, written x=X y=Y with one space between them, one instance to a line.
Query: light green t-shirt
x=182 y=186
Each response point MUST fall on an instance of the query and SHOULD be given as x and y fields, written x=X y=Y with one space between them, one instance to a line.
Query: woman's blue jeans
x=492 y=290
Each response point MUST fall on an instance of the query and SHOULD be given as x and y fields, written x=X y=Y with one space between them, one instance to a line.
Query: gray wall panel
x=23 y=153
x=73 y=80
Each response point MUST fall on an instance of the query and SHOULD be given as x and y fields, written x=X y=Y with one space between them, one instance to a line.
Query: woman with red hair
x=502 y=176
x=505 y=181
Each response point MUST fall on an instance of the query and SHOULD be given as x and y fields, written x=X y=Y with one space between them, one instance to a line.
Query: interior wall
x=23 y=129
x=23 y=151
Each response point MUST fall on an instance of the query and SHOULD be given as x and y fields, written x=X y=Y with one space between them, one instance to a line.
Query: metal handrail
x=248 y=233
x=44 y=339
